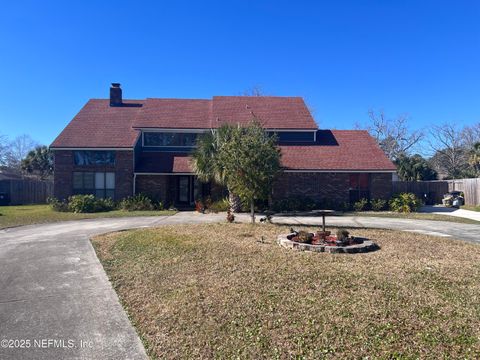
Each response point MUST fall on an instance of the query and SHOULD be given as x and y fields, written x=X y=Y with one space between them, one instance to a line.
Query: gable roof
x=100 y=125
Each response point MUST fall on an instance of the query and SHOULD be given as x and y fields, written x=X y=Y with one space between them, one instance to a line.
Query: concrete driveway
x=442 y=210
x=57 y=303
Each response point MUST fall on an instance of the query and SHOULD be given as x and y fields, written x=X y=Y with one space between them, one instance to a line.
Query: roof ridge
x=257 y=97
x=189 y=99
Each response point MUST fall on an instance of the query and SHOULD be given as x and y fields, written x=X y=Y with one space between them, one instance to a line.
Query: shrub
x=82 y=204
x=104 y=205
x=219 y=206
x=342 y=234
x=378 y=204
x=361 y=205
x=405 y=203
x=304 y=237
x=139 y=202
x=344 y=206
x=57 y=205
x=294 y=203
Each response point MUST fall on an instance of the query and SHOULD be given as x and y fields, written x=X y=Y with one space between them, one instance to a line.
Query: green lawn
x=35 y=214
x=417 y=216
x=224 y=291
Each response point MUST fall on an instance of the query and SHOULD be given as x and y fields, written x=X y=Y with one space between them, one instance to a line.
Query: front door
x=183 y=190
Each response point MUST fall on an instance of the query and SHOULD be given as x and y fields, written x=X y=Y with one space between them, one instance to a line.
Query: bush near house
x=139 y=202
x=90 y=204
x=405 y=203
x=361 y=205
x=207 y=205
x=378 y=204
x=219 y=205
x=58 y=205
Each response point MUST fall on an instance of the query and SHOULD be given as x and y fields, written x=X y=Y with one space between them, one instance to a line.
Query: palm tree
x=208 y=164
x=474 y=158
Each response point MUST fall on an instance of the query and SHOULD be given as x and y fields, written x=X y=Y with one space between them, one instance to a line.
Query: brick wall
x=318 y=186
x=157 y=187
x=331 y=186
x=64 y=167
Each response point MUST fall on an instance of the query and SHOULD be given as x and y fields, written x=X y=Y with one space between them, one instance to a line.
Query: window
x=359 y=187
x=100 y=184
x=169 y=139
x=294 y=136
x=89 y=157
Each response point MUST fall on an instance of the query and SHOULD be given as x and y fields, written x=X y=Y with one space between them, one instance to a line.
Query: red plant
x=199 y=206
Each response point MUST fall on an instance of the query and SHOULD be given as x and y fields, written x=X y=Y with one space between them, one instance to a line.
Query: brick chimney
x=115 y=95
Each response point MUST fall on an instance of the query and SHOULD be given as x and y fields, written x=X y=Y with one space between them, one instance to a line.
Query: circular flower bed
x=322 y=241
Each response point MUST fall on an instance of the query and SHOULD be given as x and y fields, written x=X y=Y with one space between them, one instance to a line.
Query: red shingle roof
x=273 y=112
x=163 y=162
x=337 y=150
x=100 y=125
x=174 y=113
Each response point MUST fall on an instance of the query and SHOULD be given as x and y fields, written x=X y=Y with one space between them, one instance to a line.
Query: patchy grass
x=414 y=215
x=216 y=291
x=471 y=207
x=35 y=214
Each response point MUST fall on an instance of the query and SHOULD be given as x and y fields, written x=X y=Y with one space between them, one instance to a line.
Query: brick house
x=116 y=148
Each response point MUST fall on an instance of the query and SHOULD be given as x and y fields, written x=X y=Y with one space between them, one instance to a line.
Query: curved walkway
x=56 y=297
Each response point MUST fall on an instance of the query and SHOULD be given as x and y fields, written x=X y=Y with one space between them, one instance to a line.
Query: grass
x=216 y=291
x=471 y=207
x=35 y=214
x=415 y=215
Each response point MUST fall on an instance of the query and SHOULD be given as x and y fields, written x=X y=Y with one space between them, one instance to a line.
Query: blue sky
x=343 y=57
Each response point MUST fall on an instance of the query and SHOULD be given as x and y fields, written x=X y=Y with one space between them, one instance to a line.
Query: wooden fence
x=436 y=189
x=21 y=192
x=470 y=187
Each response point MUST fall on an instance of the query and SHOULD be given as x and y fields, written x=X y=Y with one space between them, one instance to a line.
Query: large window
x=100 y=184
x=169 y=139
x=90 y=157
x=294 y=136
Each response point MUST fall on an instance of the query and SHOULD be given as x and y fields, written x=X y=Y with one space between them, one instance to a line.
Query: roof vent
x=115 y=95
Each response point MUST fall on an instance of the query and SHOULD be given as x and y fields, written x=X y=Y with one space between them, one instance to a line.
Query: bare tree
x=470 y=135
x=393 y=135
x=255 y=90
x=18 y=150
x=3 y=150
x=450 y=156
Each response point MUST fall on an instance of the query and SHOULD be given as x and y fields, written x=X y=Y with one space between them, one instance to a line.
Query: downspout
x=134 y=182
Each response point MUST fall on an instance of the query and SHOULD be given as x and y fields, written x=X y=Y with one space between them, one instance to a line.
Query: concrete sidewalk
x=442 y=210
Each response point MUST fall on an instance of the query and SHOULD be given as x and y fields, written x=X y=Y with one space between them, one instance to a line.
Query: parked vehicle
x=453 y=199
